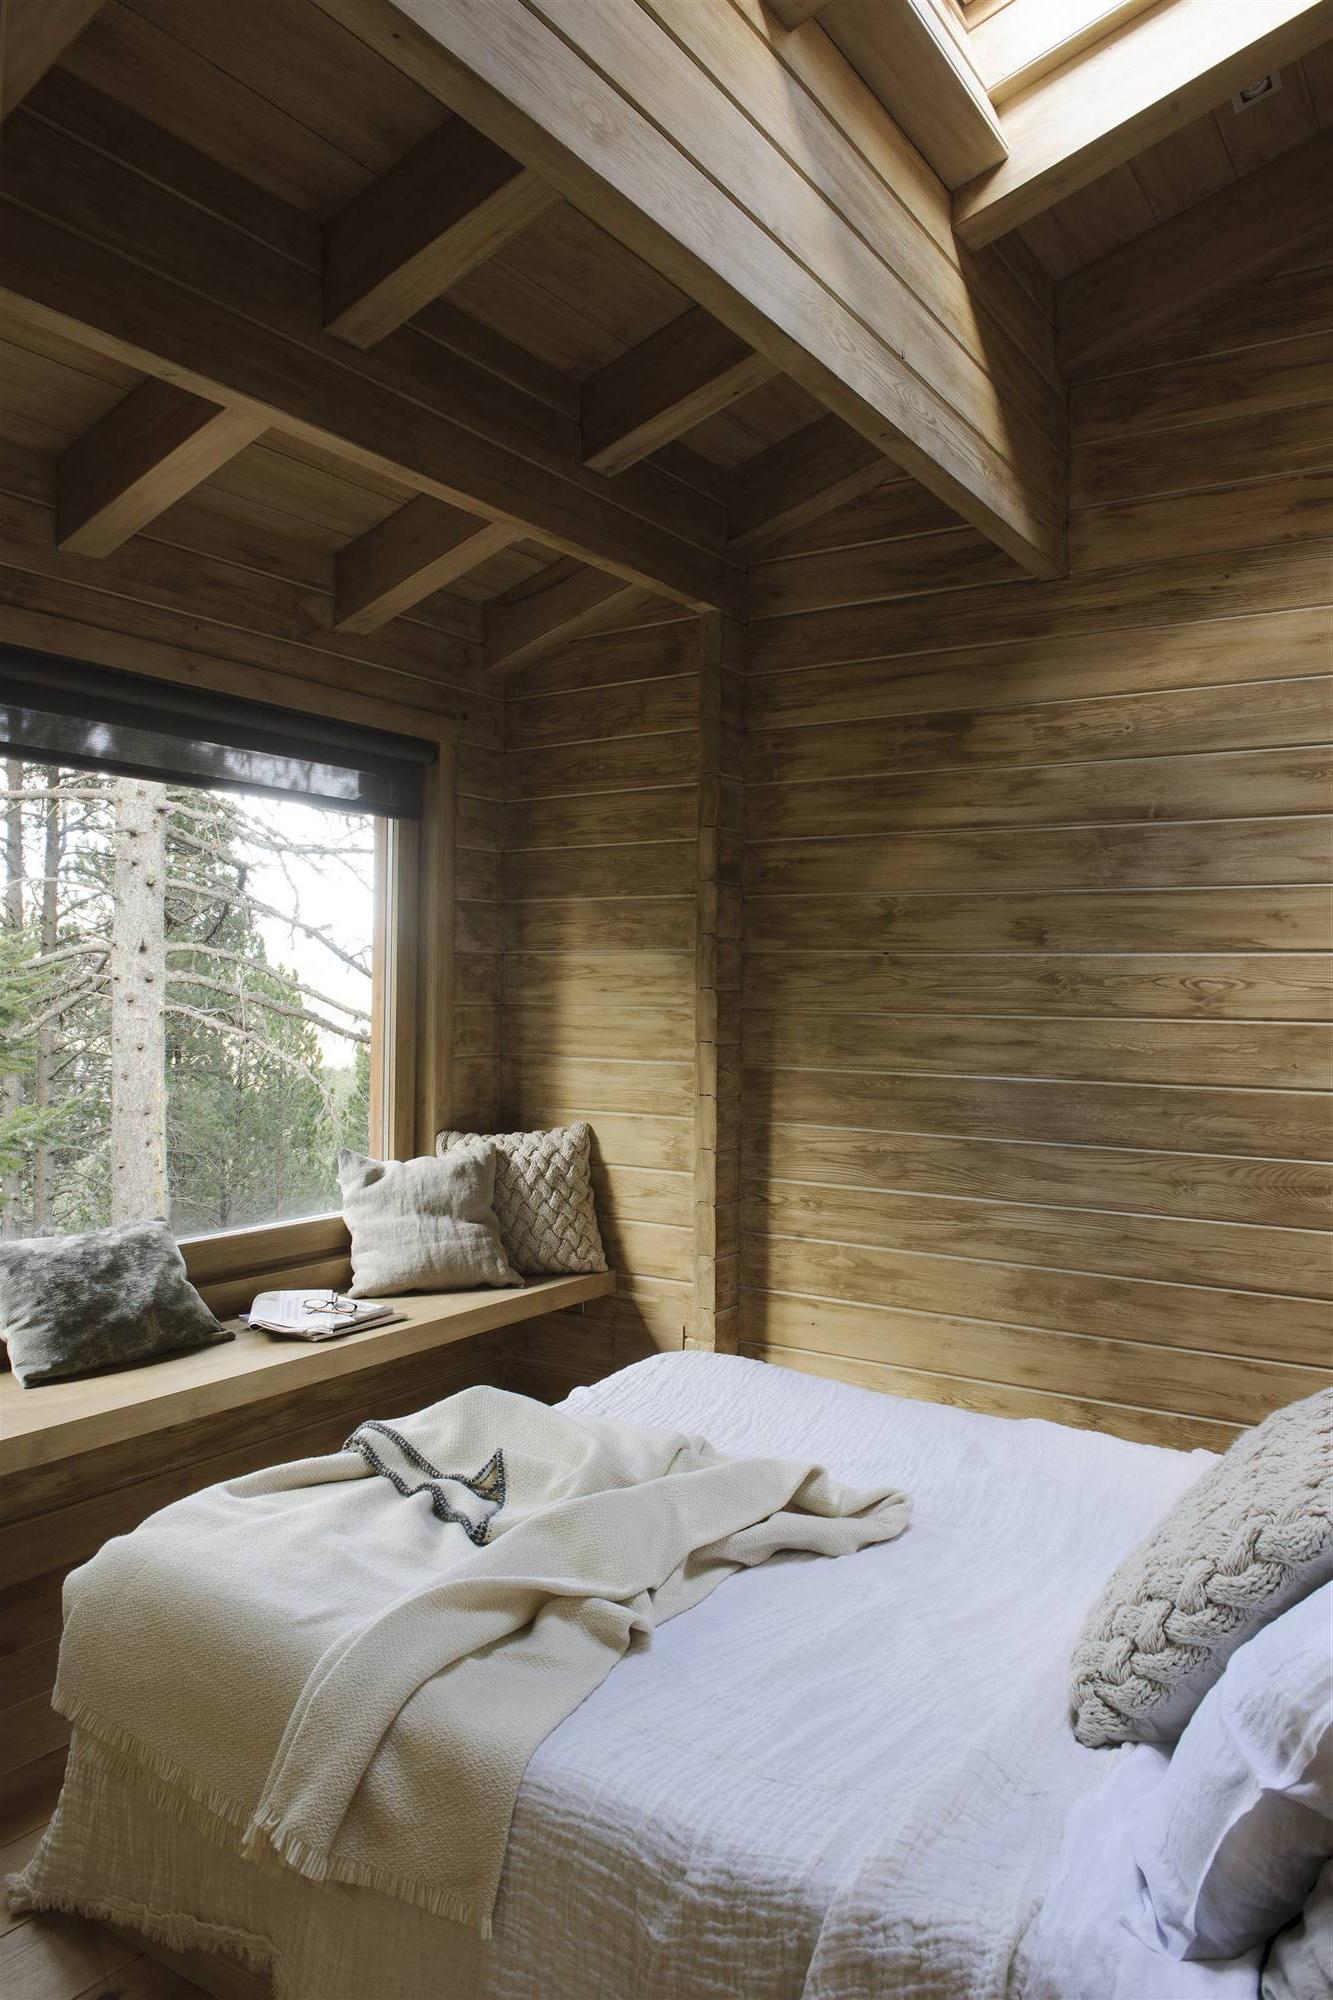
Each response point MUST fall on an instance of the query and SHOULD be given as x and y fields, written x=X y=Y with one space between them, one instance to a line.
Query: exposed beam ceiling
x=138 y=273
x=143 y=455
x=564 y=602
x=690 y=370
x=643 y=137
x=417 y=551
x=914 y=59
x=1244 y=229
x=34 y=34
x=450 y=203
x=1164 y=69
x=806 y=475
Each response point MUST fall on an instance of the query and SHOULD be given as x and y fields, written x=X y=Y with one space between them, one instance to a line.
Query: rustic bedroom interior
x=664 y=999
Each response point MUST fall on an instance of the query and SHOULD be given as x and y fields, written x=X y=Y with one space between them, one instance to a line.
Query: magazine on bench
x=307 y=1315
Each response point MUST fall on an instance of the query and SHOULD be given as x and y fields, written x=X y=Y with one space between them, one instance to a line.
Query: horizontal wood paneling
x=598 y=1011
x=1287 y=986
x=1295 y=1194
x=1036 y=1008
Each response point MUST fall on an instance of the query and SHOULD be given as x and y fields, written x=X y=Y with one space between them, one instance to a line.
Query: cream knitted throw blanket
x=349 y=1660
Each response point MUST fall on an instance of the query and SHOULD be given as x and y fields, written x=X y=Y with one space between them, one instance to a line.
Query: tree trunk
x=46 y=1037
x=138 y=993
x=11 y=1085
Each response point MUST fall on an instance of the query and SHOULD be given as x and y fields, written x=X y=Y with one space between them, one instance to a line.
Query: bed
x=830 y=1779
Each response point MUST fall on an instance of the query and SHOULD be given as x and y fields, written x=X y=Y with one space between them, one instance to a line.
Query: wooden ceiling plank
x=34 y=35
x=1163 y=70
x=417 y=551
x=615 y=113
x=914 y=60
x=1176 y=268
x=93 y=294
x=801 y=478
x=532 y=623
x=157 y=444
x=690 y=370
x=448 y=205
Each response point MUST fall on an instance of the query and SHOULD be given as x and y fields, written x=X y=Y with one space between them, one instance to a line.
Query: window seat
x=50 y=1423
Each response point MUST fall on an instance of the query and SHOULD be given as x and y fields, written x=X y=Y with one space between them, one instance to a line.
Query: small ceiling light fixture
x=1255 y=93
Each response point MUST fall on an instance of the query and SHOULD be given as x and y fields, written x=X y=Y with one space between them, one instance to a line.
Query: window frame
x=412 y=987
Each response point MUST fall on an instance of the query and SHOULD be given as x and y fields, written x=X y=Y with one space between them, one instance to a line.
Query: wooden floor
x=55 y=1957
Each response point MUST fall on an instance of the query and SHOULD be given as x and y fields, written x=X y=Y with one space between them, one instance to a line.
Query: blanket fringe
x=167 y=1785
x=269 y=1831
x=263 y=1835
x=172 y=1930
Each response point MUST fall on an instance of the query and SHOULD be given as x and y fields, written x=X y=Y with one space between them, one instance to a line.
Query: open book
x=311 y=1314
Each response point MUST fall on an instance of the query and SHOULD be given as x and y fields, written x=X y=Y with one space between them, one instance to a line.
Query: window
x=192 y=1015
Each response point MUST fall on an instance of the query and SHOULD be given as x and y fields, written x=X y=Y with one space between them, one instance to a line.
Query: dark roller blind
x=56 y=711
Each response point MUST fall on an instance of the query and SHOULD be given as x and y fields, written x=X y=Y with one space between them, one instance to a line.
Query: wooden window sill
x=47 y=1424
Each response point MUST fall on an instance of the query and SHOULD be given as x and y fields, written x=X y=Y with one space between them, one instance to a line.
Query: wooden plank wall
x=1036 y=1034
x=602 y=892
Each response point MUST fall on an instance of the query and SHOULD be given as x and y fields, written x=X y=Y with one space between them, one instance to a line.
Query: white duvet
x=830 y=1779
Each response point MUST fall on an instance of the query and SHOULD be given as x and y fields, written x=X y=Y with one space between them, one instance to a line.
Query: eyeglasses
x=332 y=1304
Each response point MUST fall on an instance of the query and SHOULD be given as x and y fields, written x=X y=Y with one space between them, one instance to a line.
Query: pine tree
x=153 y=1056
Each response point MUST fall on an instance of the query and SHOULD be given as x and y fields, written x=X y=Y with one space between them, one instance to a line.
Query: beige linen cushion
x=1248 y=1539
x=423 y=1225
x=543 y=1198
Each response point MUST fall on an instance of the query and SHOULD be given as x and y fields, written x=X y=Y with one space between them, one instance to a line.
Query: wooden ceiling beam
x=34 y=34
x=913 y=56
x=689 y=370
x=1161 y=71
x=565 y=602
x=450 y=203
x=800 y=478
x=383 y=412
x=148 y=452
x=422 y=548
x=1241 y=231
x=634 y=113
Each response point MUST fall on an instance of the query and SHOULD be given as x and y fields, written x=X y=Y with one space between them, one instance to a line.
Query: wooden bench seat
x=59 y=1419
x=80 y=1461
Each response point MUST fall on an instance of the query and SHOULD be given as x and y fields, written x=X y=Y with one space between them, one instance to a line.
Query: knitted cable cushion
x=1248 y=1539
x=543 y=1198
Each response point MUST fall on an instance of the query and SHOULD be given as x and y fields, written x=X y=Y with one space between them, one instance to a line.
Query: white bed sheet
x=685 y=1834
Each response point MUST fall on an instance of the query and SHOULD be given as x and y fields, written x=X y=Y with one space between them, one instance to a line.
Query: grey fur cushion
x=423 y=1225
x=1248 y=1539
x=72 y=1304
x=543 y=1198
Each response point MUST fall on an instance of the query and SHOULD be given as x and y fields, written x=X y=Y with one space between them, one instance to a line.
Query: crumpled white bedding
x=708 y=1824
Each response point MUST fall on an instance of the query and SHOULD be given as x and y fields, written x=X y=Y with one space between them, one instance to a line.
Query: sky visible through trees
x=185 y=981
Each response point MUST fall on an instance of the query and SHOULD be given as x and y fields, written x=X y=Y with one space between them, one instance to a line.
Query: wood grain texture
x=640 y=124
x=144 y=455
x=607 y=909
x=1024 y=1127
x=1176 y=268
x=34 y=34
x=916 y=61
x=1165 y=68
x=451 y=202
x=134 y=270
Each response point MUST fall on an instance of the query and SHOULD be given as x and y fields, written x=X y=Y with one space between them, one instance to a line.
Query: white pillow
x=423 y=1225
x=1300 y=1965
x=1231 y=1841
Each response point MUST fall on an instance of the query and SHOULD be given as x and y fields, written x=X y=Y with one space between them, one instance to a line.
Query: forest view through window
x=185 y=1002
